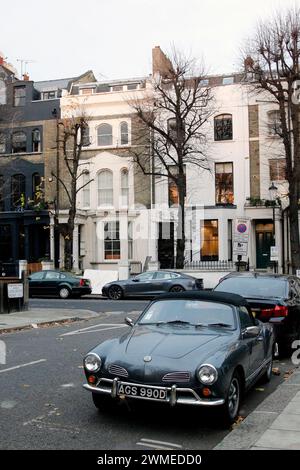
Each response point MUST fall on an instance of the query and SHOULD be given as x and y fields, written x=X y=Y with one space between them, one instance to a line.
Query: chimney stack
x=161 y=65
x=25 y=77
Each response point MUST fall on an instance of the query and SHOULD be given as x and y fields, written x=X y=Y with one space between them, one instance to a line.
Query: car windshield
x=187 y=311
x=254 y=287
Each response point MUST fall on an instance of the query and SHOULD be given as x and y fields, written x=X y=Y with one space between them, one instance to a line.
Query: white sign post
x=274 y=255
x=15 y=291
x=241 y=237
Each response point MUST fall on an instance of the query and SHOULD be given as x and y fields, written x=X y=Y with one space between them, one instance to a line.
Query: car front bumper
x=176 y=395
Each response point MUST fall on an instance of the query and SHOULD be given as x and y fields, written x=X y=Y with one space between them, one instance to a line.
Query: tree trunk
x=294 y=228
x=180 y=242
x=69 y=253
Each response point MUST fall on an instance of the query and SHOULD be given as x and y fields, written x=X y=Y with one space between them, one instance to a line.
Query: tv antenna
x=24 y=63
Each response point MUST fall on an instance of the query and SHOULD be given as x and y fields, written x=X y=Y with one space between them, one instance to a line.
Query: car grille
x=119 y=371
x=177 y=377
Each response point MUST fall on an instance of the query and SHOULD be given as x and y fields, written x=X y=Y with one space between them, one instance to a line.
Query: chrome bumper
x=176 y=395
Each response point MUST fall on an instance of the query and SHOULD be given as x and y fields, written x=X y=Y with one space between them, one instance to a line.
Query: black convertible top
x=222 y=297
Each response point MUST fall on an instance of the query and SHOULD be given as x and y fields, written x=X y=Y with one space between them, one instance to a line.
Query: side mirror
x=129 y=322
x=29 y=278
x=251 y=332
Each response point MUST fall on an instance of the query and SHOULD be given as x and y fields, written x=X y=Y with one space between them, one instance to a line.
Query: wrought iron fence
x=211 y=265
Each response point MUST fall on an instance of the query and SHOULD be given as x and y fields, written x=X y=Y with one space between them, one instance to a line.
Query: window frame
x=210 y=257
x=19 y=101
x=16 y=149
x=114 y=241
x=221 y=186
x=110 y=135
x=105 y=189
x=122 y=133
x=220 y=132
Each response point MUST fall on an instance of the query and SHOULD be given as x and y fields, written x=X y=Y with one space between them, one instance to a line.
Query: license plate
x=141 y=392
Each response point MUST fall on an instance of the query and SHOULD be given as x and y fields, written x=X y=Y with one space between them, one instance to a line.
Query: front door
x=166 y=245
x=264 y=241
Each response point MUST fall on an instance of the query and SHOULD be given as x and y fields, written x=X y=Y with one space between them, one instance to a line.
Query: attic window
x=49 y=95
x=228 y=80
x=117 y=88
x=132 y=86
x=86 y=91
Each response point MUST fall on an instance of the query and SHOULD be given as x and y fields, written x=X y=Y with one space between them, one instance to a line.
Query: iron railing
x=211 y=265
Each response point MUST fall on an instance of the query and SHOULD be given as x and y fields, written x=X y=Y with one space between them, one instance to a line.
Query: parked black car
x=191 y=348
x=58 y=283
x=272 y=297
x=151 y=284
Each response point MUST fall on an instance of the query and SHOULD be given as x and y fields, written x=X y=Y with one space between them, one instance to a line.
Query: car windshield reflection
x=187 y=312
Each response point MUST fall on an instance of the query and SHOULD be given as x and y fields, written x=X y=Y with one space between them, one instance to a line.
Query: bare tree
x=272 y=60
x=71 y=140
x=173 y=113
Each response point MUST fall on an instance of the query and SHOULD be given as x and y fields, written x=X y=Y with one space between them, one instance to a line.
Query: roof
x=52 y=85
x=221 y=297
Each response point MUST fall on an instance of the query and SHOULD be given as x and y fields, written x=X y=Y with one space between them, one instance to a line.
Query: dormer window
x=49 y=95
x=228 y=81
x=86 y=91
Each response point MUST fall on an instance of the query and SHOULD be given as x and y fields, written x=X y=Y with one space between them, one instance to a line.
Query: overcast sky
x=114 y=38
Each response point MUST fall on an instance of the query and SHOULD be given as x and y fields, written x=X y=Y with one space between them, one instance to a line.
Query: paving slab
x=287 y=421
x=38 y=316
x=279 y=439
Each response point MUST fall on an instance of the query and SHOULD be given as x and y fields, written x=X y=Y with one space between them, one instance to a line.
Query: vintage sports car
x=191 y=348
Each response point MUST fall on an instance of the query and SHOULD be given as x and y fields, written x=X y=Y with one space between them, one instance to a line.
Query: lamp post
x=273 y=193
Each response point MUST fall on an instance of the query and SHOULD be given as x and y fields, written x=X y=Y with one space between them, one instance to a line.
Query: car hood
x=173 y=342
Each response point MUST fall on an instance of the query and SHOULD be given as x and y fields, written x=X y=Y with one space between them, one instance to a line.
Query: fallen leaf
x=288 y=373
x=260 y=389
x=34 y=325
x=276 y=371
x=237 y=422
x=25 y=386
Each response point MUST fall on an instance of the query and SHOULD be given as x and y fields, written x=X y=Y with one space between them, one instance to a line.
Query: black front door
x=166 y=245
x=264 y=241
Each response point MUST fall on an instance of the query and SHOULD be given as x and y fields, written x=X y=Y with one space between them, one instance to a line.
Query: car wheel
x=177 y=289
x=268 y=373
x=232 y=404
x=102 y=402
x=64 y=293
x=115 y=292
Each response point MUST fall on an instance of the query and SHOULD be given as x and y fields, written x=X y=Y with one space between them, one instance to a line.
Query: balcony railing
x=210 y=265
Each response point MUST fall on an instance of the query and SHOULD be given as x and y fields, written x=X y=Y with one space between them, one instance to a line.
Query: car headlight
x=92 y=362
x=207 y=374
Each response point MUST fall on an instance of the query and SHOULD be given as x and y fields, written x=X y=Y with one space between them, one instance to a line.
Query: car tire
x=102 y=402
x=177 y=288
x=231 y=407
x=64 y=292
x=266 y=377
x=115 y=292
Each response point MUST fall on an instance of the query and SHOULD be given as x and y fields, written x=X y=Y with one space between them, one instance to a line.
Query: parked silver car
x=151 y=284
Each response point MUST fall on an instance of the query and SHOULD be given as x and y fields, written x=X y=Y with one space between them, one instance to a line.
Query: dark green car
x=56 y=283
x=193 y=348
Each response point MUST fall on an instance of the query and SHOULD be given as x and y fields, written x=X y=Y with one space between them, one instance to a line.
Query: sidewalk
x=274 y=425
x=39 y=316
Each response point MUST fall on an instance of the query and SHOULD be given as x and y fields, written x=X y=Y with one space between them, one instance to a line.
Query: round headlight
x=207 y=374
x=92 y=362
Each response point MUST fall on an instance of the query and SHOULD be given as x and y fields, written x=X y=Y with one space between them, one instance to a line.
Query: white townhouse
x=109 y=208
x=114 y=223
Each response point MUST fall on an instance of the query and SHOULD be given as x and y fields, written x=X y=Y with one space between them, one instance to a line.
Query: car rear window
x=254 y=287
x=187 y=310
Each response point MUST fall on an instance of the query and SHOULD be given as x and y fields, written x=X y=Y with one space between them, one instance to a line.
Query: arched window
x=18 y=191
x=19 y=142
x=124 y=187
x=124 y=133
x=2 y=91
x=86 y=178
x=105 y=188
x=36 y=140
x=37 y=190
x=2 y=143
x=223 y=127
x=104 y=133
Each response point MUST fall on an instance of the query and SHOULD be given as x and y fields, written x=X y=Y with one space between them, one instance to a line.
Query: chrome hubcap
x=177 y=289
x=64 y=293
x=233 y=397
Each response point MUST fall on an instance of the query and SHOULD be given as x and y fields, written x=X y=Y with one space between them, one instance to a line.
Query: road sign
x=15 y=291
x=240 y=248
x=241 y=230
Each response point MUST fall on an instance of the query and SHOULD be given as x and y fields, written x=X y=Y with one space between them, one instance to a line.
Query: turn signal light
x=277 y=311
x=206 y=392
x=92 y=379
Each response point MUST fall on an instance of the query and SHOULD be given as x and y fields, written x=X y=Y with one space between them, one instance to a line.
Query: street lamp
x=273 y=193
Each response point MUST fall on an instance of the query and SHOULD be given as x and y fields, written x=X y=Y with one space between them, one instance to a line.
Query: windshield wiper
x=177 y=322
x=224 y=325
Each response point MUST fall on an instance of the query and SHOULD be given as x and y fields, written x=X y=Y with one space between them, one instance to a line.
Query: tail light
x=84 y=282
x=277 y=311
